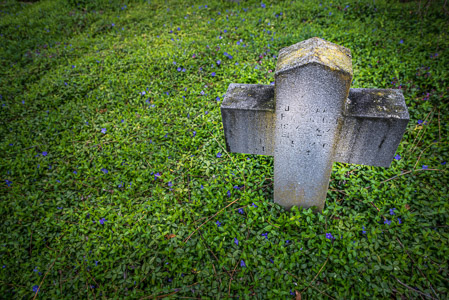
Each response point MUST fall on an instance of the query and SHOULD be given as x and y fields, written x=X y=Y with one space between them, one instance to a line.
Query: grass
x=115 y=182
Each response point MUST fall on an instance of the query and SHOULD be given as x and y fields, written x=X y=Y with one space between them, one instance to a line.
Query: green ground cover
x=115 y=182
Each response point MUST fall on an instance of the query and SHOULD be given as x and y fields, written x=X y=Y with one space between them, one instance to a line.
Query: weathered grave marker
x=310 y=119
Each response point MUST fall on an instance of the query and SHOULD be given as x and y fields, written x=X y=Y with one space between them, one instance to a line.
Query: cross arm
x=374 y=121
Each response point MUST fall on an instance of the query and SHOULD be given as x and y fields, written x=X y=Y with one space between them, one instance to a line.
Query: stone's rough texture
x=376 y=103
x=248 y=119
x=363 y=125
x=315 y=50
x=375 y=121
x=309 y=101
x=249 y=96
x=310 y=119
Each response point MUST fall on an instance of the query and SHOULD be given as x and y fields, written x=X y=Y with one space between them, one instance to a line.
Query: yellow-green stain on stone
x=315 y=50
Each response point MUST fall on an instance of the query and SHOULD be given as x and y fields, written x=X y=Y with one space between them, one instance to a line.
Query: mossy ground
x=116 y=183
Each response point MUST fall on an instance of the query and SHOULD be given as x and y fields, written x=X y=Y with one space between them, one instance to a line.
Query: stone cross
x=311 y=118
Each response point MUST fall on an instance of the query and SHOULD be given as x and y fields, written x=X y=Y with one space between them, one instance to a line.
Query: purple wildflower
x=219 y=154
x=242 y=264
x=397 y=157
x=103 y=130
x=236 y=241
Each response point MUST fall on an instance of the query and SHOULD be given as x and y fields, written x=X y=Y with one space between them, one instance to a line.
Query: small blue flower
x=59 y=207
x=218 y=223
x=241 y=211
x=419 y=122
x=292 y=293
x=103 y=130
x=229 y=193
x=75 y=172
x=443 y=163
x=8 y=182
x=35 y=288
x=213 y=74
x=44 y=153
x=236 y=241
x=179 y=69
x=218 y=98
x=254 y=205
x=265 y=235
x=262 y=5
x=392 y=211
x=219 y=154
x=425 y=167
x=399 y=221
x=401 y=41
x=157 y=175
x=218 y=62
x=242 y=264
x=387 y=222
x=397 y=157
x=194 y=133
x=202 y=92
x=329 y=236
x=170 y=184
x=102 y=220
x=202 y=187
x=104 y=171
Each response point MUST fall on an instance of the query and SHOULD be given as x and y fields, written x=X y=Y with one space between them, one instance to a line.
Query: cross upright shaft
x=307 y=121
x=312 y=84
